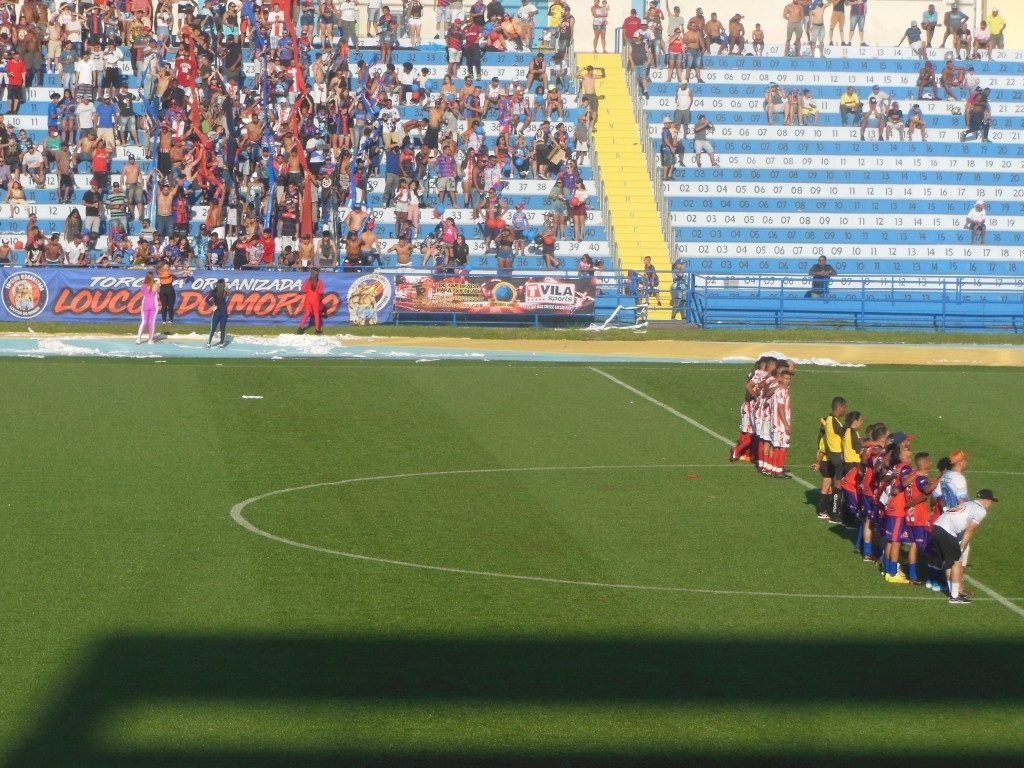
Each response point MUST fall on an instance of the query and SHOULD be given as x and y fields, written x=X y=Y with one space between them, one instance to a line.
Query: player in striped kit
x=762 y=417
x=781 y=415
x=745 y=447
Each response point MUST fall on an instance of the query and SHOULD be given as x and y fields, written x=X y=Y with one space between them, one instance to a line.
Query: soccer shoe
x=746 y=458
x=869 y=558
x=916 y=582
x=302 y=330
x=824 y=516
x=318 y=331
x=221 y=345
x=961 y=600
x=785 y=475
x=899 y=578
x=207 y=346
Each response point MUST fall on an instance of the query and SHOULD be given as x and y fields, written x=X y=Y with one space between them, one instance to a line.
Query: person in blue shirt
x=106 y=117
x=929 y=20
x=53 y=112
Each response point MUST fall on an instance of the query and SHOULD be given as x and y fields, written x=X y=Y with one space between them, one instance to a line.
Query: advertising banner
x=257 y=298
x=495 y=295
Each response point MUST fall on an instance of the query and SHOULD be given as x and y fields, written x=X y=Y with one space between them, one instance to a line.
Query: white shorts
x=780 y=439
x=700 y=145
x=746 y=423
x=916 y=47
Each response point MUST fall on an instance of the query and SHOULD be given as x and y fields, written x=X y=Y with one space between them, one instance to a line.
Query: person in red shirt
x=15 y=82
x=101 y=164
x=895 y=512
x=313 y=301
x=185 y=71
x=631 y=25
x=269 y=247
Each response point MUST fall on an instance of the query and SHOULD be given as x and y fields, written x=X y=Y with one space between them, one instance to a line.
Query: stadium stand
x=889 y=214
x=214 y=120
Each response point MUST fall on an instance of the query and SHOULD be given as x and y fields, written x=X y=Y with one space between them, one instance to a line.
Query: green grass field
x=143 y=627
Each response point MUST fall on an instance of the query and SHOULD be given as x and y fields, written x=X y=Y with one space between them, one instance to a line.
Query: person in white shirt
x=952 y=534
x=952 y=487
x=684 y=101
x=347 y=15
x=976 y=222
x=85 y=113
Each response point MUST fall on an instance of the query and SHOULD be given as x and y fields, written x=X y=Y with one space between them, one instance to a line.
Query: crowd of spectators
x=280 y=153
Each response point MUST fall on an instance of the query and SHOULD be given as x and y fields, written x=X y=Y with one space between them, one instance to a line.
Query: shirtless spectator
x=952 y=79
x=693 y=49
x=714 y=32
x=926 y=79
x=757 y=40
x=793 y=14
x=736 y=36
x=816 y=30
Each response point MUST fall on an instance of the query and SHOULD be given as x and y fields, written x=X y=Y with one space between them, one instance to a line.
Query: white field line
x=1003 y=601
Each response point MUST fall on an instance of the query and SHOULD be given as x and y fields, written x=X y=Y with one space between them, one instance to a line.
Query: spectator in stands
x=654 y=19
x=701 y=144
x=775 y=101
x=962 y=40
x=952 y=21
x=996 y=23
x=714 y=32
x=975 y=222
x=982 y=40
x=757 y=40
x=684 y=103
x=978 y=116
x=693 y=50
x=926 y=79
x=914 y=39
x=678 y=290
x=880 y=96
x=929 y=21
x=737 y=32
x=838 y=20
x=873 y=117
x=821 y=275
x=850 y=105
x=599 y=12
x=674 y=56
x=894 y=122
x=952 y=79
x=793 y=14
x=639 y=60
x=816 y=26
x=915 y=122
x=808 y=109
x=858 y=13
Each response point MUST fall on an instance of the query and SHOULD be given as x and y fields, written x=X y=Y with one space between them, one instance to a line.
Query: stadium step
x=632 y=209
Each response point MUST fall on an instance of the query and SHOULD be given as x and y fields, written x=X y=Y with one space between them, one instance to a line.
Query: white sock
x=954 y=589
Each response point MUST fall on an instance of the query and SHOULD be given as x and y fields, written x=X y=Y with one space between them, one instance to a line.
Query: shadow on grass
x=127 y=671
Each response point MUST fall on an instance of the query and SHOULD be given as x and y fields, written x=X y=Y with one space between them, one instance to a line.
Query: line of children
x=766 y=417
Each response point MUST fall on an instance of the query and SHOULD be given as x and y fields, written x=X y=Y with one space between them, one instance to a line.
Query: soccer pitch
x=481 y=564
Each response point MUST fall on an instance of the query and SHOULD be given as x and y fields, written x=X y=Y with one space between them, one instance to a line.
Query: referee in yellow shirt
x=829 y=461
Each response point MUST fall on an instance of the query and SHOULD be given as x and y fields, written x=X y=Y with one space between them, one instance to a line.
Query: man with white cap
x=914 y=37
x=952 y=534
x=976 y=222
x=996 y=24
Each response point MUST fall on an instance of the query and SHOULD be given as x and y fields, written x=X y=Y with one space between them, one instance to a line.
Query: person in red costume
x=312 y=301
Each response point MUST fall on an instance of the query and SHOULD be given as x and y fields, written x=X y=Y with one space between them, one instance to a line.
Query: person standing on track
x=148 y=307
x=219 y=298
x=952 y=534
x=167 y=294
x=313 y=301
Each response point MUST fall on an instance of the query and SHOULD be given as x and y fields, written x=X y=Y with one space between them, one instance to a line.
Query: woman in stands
x=599 y=10
x=578 y=209
x=148 y=310
x=675 y=56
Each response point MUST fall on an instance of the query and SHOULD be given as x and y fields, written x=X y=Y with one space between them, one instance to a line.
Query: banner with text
x=257 y=298
x=495 y=295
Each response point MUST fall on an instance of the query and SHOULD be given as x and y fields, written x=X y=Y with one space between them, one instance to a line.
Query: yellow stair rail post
x=630 y=183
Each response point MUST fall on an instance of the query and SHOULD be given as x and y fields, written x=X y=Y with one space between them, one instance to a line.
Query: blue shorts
x=694 y=58
x=869 y=509
x=641 y=72
x=852 y=501
x=920 y=536
x=857 y=22
x=895 y=530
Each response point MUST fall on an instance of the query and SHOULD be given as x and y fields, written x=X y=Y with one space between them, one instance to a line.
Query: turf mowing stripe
x=1003 y=601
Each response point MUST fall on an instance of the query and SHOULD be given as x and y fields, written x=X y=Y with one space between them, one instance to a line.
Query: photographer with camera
x=700 y=140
